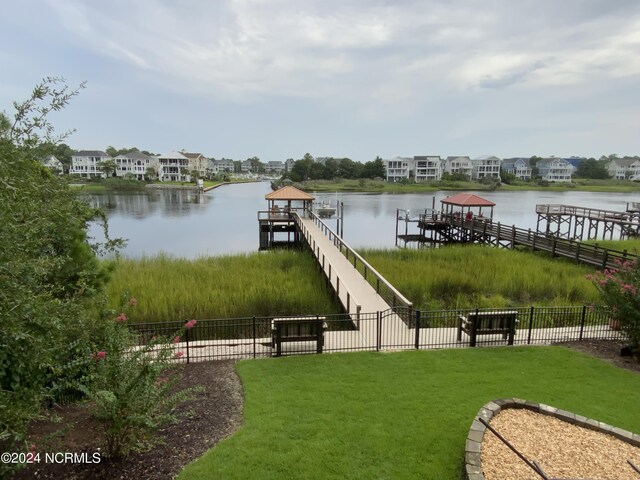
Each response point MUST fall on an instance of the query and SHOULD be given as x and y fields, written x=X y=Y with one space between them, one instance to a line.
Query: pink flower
x=190 y=324
x=121 y=318
x=99 y=355
x=133 y=302
x=179 y=354
x=176 y=339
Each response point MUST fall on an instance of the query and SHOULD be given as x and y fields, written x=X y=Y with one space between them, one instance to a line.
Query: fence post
x=553 y=246
x=604 y=259
x=530 y=326
x=584 y=316
x=417 y=329
x=254 y=336
x=378 y=330
x=319 y=335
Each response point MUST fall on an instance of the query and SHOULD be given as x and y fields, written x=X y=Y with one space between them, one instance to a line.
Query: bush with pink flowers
x=619 y=288
x=134 y=387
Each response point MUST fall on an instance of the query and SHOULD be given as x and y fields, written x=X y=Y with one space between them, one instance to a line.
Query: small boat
x=325 y=210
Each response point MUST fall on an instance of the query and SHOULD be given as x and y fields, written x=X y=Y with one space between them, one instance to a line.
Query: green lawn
x=399 y=415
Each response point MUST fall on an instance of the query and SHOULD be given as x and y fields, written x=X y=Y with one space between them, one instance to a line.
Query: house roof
x=467 y=200
x=174 y=155
x=288 y=193
x=134 y=155
x=90 y=153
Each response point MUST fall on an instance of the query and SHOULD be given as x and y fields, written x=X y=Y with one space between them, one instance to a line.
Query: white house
x=486 y=166
x=518 y=166
x=86 y=163
x=53 y=164
x=274 y=166
x=623 y=168
x=173 y=167
x=398 y=168
x=459 y=165
x=427 y=167
x=135 y=164
x=554 y=169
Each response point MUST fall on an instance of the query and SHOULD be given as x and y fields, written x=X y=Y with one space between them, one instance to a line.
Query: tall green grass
x=469 y=276
x=261 y=284
x=631 y=245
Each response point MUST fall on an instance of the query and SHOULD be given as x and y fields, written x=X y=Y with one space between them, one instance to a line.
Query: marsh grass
x=477 y=276
x=631 y=245
x=263 y=284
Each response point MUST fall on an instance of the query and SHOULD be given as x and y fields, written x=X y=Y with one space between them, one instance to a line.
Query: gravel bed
x=561 y=449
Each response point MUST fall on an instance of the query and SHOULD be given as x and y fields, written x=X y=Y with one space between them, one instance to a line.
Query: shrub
x=620 y=291
x=134 y=388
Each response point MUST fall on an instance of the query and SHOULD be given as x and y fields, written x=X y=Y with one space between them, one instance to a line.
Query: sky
x=344 y=78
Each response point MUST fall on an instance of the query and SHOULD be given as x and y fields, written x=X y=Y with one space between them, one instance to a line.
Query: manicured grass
x=399 y=415
x=470 y=276
x=267 y=284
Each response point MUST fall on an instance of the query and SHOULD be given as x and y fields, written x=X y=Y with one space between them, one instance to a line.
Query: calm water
x=224 y=220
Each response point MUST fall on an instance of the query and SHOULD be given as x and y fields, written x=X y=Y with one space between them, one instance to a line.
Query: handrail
x=349 y=303
x=397 y=298
x=593 y=213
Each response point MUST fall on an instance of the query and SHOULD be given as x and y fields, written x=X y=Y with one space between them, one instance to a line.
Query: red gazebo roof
x=467 y=200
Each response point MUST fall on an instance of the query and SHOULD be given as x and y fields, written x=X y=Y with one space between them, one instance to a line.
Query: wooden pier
x=581 y=223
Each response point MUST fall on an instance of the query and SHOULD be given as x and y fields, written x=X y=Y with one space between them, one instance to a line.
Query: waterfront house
x=197 y=163
x=173 y=167
x=554 y=169
x=624 y=168
x=53 y=164
x=398 y=168
x=221 y=166
x=459 y=165
x=486 y=166
x=518 y=166
x=274 y=166
x=87 y=163
x=427 y=167
x=575 y=162
x=135 y=165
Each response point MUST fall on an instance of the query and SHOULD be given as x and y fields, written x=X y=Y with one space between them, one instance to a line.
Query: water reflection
x=224 y=220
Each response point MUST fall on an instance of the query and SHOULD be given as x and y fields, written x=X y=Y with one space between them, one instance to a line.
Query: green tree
x=49 y=273
x=347 y=168
x=108 y=167
x=63 y=152
x=374 y=169
x=330 y=169
x=591 y=168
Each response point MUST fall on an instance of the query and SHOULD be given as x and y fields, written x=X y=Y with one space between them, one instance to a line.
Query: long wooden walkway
x=509 y=236
x=358 y=286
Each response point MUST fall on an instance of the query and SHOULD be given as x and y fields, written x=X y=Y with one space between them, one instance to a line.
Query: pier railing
x=592 y=213
x=381 y=285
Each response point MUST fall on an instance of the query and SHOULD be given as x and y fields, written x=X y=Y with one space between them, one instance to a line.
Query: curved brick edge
x=472 y=462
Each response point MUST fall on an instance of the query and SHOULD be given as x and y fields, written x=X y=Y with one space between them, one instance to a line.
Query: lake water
x=224 y=221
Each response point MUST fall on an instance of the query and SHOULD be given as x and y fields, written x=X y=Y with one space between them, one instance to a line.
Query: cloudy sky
x=355 y=78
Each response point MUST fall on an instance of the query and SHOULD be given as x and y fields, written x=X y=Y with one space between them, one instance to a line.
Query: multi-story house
x=246 y=166
x=87 y=163
x=427 y=167
x=398 y=168
x=197 y=163
x=486 y=166
x=173 y=167
x=274 y=166
x=288 y=164
x=554 y=169
x=518 y=166
x=459 y=165
x=136 y=165
x=624 y=168
x=53 y=164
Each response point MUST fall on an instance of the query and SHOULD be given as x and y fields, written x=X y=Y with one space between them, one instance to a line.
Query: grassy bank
x=469 y=276
x=400 y=415
x=379 y=186
x=273 y=283
x=630 y=245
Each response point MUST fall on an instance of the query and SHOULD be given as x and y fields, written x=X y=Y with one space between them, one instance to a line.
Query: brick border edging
x=472 y=461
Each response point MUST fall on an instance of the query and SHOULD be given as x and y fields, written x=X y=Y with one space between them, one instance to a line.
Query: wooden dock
x=357 y=285
x=582 y=223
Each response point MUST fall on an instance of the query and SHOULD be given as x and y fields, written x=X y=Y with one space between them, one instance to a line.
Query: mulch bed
x=217 y=413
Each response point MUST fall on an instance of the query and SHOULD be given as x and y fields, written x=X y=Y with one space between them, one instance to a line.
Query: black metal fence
x=253 y=337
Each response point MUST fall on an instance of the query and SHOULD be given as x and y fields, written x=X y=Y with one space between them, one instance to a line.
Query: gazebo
x=283 y=197
x=465 y=202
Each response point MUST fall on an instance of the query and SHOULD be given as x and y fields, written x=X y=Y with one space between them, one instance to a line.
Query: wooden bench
x=500 y=322
x=297 y=329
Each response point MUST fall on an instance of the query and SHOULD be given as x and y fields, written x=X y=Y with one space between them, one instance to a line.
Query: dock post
x=417 y=342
